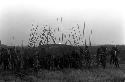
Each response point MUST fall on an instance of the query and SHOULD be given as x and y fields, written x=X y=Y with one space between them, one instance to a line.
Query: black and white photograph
x=62 y=41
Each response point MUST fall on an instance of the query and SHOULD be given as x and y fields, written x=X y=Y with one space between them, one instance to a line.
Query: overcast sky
x=105 y=18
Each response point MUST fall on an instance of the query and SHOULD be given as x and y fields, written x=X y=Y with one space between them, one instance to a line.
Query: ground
x=110 y=74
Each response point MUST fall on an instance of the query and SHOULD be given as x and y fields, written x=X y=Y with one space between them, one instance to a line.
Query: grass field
x=110 y=74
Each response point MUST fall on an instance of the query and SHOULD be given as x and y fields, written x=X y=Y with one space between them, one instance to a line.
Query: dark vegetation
x=66 y=57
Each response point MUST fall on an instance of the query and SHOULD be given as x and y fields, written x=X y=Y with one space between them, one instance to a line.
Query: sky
x=106 y=18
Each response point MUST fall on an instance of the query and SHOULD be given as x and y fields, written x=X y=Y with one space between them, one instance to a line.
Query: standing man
x=101 y=56
x=5 y=58
x=114 y=56
x=87 y=56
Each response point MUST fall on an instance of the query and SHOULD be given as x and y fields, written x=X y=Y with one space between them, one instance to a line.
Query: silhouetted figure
x=13 y=59
x=0 y=56
x=5 y=59
x=36 y=63
x=114 y=56
x=18 y=61
x=101 y=56
x=87 y=57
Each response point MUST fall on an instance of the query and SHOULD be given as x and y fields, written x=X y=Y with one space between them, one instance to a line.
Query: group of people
x=12 y=59
x=103 y=55
x=9 y=58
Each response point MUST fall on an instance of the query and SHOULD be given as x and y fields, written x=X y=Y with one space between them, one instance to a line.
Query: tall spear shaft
x=84 y=30
x=90 y=38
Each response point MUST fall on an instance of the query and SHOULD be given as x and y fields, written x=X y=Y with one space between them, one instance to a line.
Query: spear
x=90 y=38
x=59 y=38
x=85 y=42
x=69 y=35
x=61 y=19
x=83 y=29
x=91 y=31
x=62 y=36
x=89 y=41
